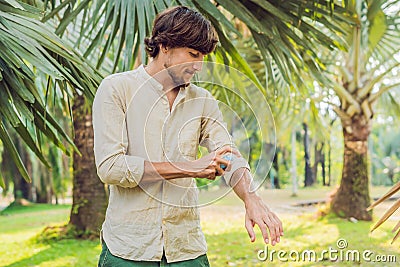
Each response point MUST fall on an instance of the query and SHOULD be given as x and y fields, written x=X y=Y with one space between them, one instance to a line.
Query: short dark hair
x=181 y=27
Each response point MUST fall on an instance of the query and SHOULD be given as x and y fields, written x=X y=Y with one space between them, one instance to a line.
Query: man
x=148 y=124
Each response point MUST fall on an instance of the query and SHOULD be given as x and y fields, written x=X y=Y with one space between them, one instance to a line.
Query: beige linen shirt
x=132 y=123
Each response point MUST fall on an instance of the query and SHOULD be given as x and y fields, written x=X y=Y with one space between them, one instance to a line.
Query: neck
x=157 y=71
x=154 y=67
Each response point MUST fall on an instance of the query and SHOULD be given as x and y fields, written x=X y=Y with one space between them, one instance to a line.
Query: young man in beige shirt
x=148 y=124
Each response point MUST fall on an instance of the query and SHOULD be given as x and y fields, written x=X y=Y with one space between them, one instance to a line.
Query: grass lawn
x=222 y=222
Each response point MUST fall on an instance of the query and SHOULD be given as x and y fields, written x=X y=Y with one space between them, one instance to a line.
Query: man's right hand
x=209 y=166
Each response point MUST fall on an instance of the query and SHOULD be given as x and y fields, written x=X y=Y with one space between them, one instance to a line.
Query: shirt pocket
x=188 y=139
x=188 y=148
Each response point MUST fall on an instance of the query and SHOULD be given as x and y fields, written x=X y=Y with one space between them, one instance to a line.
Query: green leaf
x=232 y=51
x=211 y=11
x=2 y=183
x=8 y=144
x=377 y=29
x=240 y=11
x=14 y=4
x=68 y=19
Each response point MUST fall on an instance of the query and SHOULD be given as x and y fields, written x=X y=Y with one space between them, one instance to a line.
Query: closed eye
x=195 y=55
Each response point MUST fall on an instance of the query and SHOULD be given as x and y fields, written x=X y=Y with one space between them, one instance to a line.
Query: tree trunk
x=352 y=197
x=308 y=179
x=44 y=192
x=294 y=163
x=329 y=164
x=269 y=149
x=26 y=187
x=319 y=158
x=323 y=169
x=275 y=165
x=22 y=189
x=89 y=196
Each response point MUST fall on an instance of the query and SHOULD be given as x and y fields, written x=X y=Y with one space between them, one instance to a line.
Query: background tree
x=30 y=48
x=361 y=76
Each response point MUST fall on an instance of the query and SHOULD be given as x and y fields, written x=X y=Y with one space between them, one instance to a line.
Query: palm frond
x=29 y=48
x=390 y=211
x=384 y=30
x=286 y=32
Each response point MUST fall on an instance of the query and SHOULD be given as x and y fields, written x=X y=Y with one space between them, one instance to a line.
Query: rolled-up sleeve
x=110 y=139
x=214 y=135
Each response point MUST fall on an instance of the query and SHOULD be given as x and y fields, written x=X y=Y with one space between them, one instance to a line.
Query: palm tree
x=31 y=51
x=360 y=77
x=111 y=34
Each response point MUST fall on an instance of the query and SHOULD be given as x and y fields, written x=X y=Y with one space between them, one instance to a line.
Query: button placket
x=166 y=115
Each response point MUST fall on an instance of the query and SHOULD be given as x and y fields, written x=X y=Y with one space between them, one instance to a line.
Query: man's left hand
x=258 y=213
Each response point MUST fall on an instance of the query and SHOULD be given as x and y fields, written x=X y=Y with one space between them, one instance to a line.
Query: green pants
x=109 y=260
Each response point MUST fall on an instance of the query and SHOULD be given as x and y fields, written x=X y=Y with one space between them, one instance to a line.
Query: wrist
x=250 y=198
x=186 y=169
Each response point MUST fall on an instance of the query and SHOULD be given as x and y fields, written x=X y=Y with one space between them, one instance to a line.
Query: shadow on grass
x=64 y=253
x=20 y=219
x=29 y=208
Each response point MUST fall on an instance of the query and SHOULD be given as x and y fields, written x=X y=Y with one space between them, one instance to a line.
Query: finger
x=236 y=153
x=218 y=170
x=212 y=175
x=264 y=231
x=271 y=227
x=276 y=227
x=249 y=227
x=224 y=150
x=280 y=225
x=220 y=161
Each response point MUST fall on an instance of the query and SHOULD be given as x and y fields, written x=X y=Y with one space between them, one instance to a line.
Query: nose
x=197 y=65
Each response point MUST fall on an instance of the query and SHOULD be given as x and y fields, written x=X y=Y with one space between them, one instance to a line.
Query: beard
x=176 y=76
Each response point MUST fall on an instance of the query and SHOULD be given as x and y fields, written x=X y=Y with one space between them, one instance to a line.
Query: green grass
x=19 y=227
x=222 y=223
x=229 y=245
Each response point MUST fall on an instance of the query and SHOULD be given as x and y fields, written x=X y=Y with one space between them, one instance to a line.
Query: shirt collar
x=149 y=79
x=157 y=85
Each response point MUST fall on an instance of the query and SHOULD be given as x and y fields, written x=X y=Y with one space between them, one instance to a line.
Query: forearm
x=128 y=171
x=241 y=182
x=156 y=171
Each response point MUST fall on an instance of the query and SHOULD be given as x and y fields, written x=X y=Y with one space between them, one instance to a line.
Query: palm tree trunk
x=294 y=163
x=319 y=159
x=308 y=179
x=329 y=163
x=275 y=165
x=89 y=196
x=352 y=197
x=324 y=183
x=22 y=189
x=43 y=188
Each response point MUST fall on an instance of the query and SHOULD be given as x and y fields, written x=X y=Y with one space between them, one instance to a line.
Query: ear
x=163 y=48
